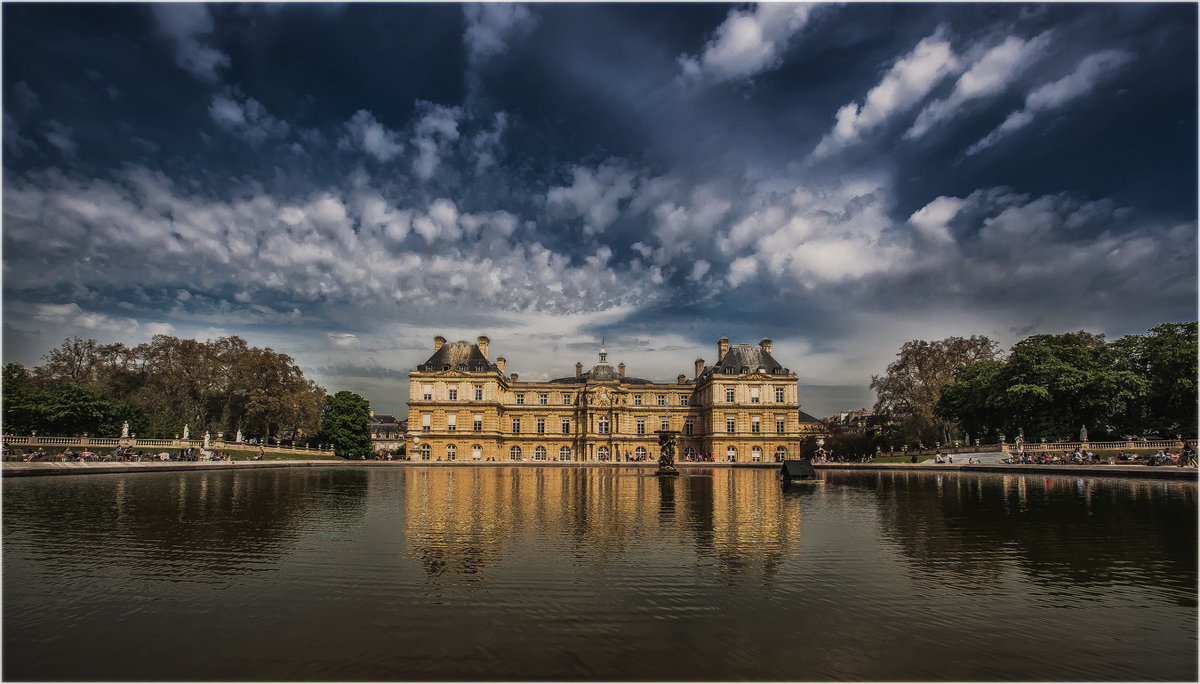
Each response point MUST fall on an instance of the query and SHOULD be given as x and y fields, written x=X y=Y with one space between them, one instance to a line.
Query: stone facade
x=463 y=406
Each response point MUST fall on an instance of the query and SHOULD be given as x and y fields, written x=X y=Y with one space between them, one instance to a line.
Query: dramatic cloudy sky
x=343 y=182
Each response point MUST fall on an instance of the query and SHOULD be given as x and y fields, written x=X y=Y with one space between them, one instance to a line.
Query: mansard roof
x=606 y=374
x=807 y=418
x=461 y=355
x=745 y=358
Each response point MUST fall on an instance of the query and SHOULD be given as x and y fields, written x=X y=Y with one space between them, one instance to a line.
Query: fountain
x=666 y=448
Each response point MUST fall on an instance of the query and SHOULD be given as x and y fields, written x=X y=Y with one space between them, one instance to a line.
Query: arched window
x=730 y=454
x=476 y=453
x=756 y=454
x=539 y=454
x=640 y=453
x=780 y=453
x=451 y=451
x=514 y=454
x=426 y=452
x=689 y=454
x=564 y=453
x=603 y=453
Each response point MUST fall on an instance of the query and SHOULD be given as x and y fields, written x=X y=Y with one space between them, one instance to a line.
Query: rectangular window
x=541 y=426
x=779 y=395
x=641 y=426
x=662 y=400
x=754 y=425
x=427 y=392
x=637 y=400
x=688 y=427
x=683 y=401
x=729 y=394
x=666 y=424
x=602 y=426
x=753 y=395
x=452 y=394
x=543 y=399
x=452 y=422
x=516 y=425
x=520 y=399
x=566 y=424
x=425 y=419
x=566 y=400
x=780 y=423
x=477 y=422
x=730 y=424
x=478 y=392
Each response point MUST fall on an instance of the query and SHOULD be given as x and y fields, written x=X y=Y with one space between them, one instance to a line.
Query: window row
x=602 y=424
x=755 y=394
x=540 y=453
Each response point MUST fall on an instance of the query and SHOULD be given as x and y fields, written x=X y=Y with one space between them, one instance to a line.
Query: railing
x=1032 y=447
x=141 y=443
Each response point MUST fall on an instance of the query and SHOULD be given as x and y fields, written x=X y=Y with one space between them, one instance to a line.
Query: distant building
x=387 y=432
x=854 y=421
x=463 y=406
x=810 y=425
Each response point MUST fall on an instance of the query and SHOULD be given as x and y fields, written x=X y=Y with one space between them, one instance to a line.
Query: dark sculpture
x=666 y=448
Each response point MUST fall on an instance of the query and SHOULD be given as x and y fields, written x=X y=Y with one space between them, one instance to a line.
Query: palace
x=464 y=406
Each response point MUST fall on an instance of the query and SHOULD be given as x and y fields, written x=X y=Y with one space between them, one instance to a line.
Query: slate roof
x=461 y=355
x=602 y=373
x=744 y=358
x=383 y=418
x=806 y=418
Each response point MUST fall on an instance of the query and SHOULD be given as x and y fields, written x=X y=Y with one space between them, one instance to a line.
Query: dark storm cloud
x=346 y=181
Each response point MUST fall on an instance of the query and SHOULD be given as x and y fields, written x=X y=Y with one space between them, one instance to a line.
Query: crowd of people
x=1186 y=457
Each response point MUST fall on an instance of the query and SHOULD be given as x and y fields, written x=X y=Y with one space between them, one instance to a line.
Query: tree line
x=1048 y=386
x=217 y=386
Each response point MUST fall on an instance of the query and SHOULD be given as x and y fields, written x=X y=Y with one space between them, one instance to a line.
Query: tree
x=1165 y=359
x=346 y=423
x=907 y=392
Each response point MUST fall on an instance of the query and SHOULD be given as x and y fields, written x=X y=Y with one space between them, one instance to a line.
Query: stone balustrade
x=143 y=444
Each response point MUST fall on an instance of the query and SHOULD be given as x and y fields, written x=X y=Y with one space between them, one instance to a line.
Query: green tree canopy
x=907 y=391
x=221 y=385
x=346 y=423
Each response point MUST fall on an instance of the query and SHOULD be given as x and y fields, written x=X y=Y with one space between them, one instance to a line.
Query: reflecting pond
x=570 y=573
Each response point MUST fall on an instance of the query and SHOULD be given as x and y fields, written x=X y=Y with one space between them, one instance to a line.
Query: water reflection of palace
x=464 y=521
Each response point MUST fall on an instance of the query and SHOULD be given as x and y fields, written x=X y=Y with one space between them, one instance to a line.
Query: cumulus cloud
x=596 y=195
x=748 y=42
x=245 y=118
x=990 y=75
x=433 y=134
x=1087 y=75
x=364 y=133
x=189 y=25
x=306 y=258
x=905 y=84
x=61 y=137
x=491 y=26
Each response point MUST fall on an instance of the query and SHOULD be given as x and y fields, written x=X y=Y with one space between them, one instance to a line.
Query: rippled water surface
x=470 y=573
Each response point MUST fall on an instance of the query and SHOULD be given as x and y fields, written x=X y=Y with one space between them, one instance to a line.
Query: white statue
x=125 y=430
x=206 y=439
x=239 y=435
x=185 y=431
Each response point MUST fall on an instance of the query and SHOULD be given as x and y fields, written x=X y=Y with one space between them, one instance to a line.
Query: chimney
x=765 y=343
x=438 y=341
x=621 y=369
x=699 y=368
x=500 y=364
x=483 y=342
x=578 y=368
x=514 y=377
x=681 y=379
x=722 y=348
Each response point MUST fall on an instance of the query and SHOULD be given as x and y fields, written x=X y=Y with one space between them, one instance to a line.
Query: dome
x=603 y=371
